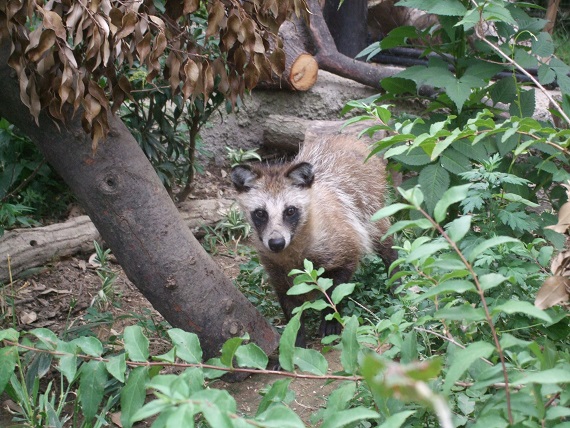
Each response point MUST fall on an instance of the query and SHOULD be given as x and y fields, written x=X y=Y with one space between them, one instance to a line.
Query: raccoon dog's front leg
x=339 y=276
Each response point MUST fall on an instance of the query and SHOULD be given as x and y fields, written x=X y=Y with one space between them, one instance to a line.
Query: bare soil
x=63 y=295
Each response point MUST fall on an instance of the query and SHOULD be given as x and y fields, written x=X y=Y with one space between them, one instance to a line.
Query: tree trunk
x=137 y=219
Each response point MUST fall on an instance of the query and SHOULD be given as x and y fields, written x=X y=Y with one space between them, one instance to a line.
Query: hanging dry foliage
x=69 y=54
x=556 y=289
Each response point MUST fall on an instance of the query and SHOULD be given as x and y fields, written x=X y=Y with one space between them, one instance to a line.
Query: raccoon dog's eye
x=290 y=211
x=260 y=214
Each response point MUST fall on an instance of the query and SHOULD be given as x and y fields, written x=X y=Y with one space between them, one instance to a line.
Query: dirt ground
x=61 y=296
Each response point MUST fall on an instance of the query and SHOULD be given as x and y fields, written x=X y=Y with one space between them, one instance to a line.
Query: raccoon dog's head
x=275 y=199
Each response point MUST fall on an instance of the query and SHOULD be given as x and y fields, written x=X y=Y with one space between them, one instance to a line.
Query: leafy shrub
x=29 y=189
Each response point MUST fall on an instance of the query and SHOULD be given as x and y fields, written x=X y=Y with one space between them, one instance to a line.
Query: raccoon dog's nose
x=276 y=244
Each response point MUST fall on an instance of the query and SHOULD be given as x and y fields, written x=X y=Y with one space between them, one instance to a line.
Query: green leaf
x=229 y=349
x=9 y=334
x=341 y=291
x=276 y=394
x=463 y=359
x=133 y=395
x=67 y=362
x=458 y=228
x=545 y=377
x=397 y=420
x=89 y=345
x=427 y=250
x=542 y=45
x=9 y=358
x=47 y=337
x=390 y=210
x=182 y=416
x=452 y=286
x=350 y=346
x=503 y=91
x=117 y=366
x=461 y=313
x=149 y=410
x=301 y=288
x=489 y=243
x=527 y=308
x=526 y=105
x=414 y=157
x=280 y=417
x=339 y=399
x=309 y=360
x=459 y=90
x=491 y=280
x=437 y=7
x=93 y=377
x=450 y=196
x=287 y=343
x=136 y=344
x=217 y=407
x=187 y=345
x=346 y=417
x=251 y=355
x=434 y=181
x=455 y=162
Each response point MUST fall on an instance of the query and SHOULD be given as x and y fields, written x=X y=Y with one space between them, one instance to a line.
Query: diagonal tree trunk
x=137 y=219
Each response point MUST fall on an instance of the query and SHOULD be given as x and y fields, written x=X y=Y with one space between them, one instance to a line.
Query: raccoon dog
x=317 y=207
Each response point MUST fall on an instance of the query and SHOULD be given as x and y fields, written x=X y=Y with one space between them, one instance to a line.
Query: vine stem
x=187 y=365
x=511 y=61
x=485 y=308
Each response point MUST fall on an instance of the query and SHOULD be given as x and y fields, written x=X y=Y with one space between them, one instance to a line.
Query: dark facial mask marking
x=291 y=217
x=260 y=218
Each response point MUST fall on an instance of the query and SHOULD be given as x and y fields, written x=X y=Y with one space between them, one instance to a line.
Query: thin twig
x=488 y=317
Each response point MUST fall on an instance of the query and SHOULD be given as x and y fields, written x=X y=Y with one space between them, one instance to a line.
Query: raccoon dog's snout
x=276 y=244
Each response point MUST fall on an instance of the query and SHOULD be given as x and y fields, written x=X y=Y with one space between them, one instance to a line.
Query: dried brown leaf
x=35 y=104
x=91 y=108
x=208 y=86
x=174 y=64
x=98 y=131
x=216 y=18
x=192 y=74
x=563 y=219
x=157 y=21
x=560 y=264
x=143 y=47
x=40 y=43
x=191 y=6
x=128 y=23
x=116 y=19
x=52 y=21
x=555 y=290
x=28 y=317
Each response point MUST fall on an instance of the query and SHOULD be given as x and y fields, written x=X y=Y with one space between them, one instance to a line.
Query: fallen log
x=287 y=133
x=23 y=249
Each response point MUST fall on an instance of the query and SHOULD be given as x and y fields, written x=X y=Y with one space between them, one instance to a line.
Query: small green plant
x=106 y=294
x=239 y=156
x=231 y=229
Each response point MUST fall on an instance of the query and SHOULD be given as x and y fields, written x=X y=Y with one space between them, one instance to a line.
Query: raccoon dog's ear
x=243 y=177
x=301 y=174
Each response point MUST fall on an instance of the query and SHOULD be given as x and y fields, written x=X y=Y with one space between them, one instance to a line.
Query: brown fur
x=335 y=230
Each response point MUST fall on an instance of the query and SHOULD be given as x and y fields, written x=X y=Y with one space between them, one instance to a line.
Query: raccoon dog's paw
x=327 y=328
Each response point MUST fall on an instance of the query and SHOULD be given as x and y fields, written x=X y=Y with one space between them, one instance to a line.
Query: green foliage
x=108 y=277
x=461 y=64
x=231 y=229
x=29 y=190
x=238 y=156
